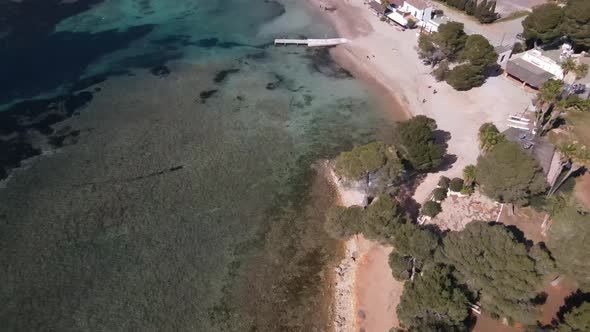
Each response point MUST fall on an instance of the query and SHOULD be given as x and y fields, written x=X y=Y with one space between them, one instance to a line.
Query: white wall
x=536 y=58
x=417 y=13
x=503 y=58
x=421 y=14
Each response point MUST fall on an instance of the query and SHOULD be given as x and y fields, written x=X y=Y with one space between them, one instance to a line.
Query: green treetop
x=451 y=39
x=434 y=296
x=479 y=52
x=414 y=140
x=382 y=218
x=355 y=164
x=549 y=91
x=509 y=174
x=489 y=136
x=375 y=157
x=544 y=23
x=342 y=223
x=491 y=261
x=576 y=320
x=576 y=23
x=569 y=245
x=378 y=222
x=416 y=242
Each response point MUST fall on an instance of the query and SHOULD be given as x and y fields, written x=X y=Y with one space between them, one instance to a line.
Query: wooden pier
x=311 y=42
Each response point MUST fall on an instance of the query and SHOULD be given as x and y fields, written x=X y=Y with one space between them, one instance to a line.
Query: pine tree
x=470 y=7
x=488 y=14
x=481 y=8
x=498 y=267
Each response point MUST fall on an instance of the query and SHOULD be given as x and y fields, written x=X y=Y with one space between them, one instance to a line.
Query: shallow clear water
x=182 y=201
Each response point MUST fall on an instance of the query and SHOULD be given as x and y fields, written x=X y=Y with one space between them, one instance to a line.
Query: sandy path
x=377 y=293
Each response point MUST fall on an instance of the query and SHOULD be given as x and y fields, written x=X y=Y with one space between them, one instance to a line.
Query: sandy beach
x=384 y=56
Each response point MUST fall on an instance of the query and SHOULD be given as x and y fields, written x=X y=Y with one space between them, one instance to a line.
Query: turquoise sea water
x=173 y=187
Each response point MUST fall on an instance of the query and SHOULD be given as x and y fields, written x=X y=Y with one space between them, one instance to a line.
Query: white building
x=537 y=58
x=534 y=67
x=418 y=11
x=432 y=24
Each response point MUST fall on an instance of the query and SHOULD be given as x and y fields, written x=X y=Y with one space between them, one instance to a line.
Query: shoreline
x=344 y=274
x=384 y=58
x=365 y=293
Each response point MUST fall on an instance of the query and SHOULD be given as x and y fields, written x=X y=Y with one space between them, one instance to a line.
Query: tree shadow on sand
x=442 y=138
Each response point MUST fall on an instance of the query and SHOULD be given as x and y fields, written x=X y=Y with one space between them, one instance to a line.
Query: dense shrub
x=456 y=184
x=467 y=190
x=431 y=209
x=441 y=72
x=439 y=194
x=509 y=174
x=465 y=77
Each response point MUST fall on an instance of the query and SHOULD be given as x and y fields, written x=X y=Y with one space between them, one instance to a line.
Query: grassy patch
x=576 y=129
x=513 y=16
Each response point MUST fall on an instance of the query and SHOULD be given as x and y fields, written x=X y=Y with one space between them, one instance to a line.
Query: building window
x=503 y=56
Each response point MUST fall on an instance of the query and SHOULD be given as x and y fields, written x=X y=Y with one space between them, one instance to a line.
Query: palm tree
x=581 y=70
x=557 y=110
x=568 y=66
x=469 y=174
x=549 y=93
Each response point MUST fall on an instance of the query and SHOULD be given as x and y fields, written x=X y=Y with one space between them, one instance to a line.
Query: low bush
x=456 y=184
x=444 y=182
x=439 y=194
x=465 y=76
x=467 y=190
x=431 y=209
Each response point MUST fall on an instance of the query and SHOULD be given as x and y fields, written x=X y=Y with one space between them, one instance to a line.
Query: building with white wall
x=418 y=11
x=535 y=67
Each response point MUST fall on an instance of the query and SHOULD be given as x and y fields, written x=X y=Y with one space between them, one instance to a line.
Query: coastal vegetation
x=446 y=273
x=364 y=159
x=472 y=56
x=416 y=143
x=549 y=22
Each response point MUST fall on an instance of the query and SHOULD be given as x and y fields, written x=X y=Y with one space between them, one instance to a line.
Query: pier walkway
x=311 y=42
